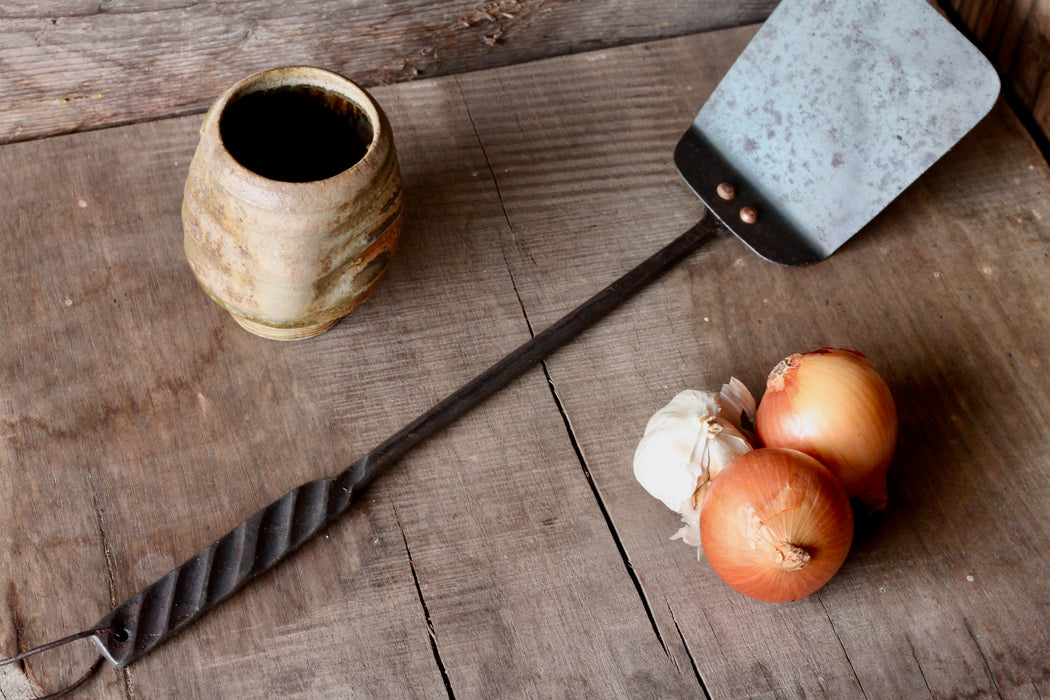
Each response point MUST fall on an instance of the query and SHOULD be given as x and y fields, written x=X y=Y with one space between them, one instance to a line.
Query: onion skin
x=833 y=405
x=776 y=525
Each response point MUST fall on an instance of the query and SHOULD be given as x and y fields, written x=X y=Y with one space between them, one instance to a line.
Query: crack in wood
x=17 y=685
x=494 y=23
x=111 y=580
x=107 y=551
x=17 y=623
x=918 y=665
x=431 y=633
x=600 y=502
x=503 y=208
x=842 y=646
x=689 y=653
x=577 y=449
x=1022 y=95
x=984 y=658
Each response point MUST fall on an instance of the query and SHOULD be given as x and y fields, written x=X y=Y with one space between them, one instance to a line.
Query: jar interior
x=296 y=133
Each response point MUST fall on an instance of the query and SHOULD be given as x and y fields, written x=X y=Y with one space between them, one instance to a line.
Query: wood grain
x=1016 y=36
x=514 y=555
x=95 y=64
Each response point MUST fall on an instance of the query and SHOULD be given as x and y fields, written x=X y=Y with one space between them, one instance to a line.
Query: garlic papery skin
x=687 y=443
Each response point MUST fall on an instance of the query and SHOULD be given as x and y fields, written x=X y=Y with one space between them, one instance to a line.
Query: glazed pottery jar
x=292 y=207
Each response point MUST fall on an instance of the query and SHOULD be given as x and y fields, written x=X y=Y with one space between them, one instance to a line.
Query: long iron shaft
x=141 y=623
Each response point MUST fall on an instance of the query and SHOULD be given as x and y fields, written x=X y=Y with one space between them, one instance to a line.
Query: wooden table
x=514 y=555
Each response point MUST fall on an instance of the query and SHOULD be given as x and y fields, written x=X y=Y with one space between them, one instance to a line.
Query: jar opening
x=295 y=133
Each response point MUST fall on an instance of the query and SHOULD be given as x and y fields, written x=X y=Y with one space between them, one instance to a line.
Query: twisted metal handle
x=141 y=623
x=216 y=572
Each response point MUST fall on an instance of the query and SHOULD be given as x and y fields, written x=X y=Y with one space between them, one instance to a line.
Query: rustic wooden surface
x=514 y=555
x=87 y=64
x=1015 y=34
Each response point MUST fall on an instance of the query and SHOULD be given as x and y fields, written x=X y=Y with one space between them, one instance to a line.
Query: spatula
x=831 y=111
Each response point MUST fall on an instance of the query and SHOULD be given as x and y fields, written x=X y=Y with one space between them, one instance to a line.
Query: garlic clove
x=690 y=530
x=738 y=405
x=669 y=460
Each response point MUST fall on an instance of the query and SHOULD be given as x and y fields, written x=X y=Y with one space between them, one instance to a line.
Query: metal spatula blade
x=831 y=111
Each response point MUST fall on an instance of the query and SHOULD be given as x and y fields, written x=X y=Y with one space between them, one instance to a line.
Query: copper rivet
x=748 y=215
x=726 y=190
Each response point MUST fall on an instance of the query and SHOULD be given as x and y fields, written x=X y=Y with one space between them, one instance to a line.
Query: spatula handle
x=138 y=625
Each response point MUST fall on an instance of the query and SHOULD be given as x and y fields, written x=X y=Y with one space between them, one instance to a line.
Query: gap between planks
x=570 y=433
x=431 y=632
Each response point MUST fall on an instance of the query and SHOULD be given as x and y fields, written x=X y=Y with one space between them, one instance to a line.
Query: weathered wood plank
x=617 y=168
x=143 y=422
x=139 y=422
x=947 y=290
x=504 y=532
x=1016 y=36
x=92 y=64
x=485 y=562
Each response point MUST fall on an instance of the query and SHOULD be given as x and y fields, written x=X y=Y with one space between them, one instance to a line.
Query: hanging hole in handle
x=120 y=635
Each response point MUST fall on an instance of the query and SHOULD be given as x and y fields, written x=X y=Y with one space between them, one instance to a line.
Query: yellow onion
x=833 y=405
x=776 y=525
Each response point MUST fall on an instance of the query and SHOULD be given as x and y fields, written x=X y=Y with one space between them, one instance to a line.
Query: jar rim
x=246 y=181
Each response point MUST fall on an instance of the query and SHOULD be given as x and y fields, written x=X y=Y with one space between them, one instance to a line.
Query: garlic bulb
x=686 y=443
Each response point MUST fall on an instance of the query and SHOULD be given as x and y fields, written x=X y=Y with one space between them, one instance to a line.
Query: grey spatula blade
x=831 y=111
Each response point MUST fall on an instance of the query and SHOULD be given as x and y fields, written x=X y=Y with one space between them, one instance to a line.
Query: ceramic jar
x=292 y=208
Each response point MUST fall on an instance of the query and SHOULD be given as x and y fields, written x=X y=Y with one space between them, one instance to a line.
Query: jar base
x=274 y=333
